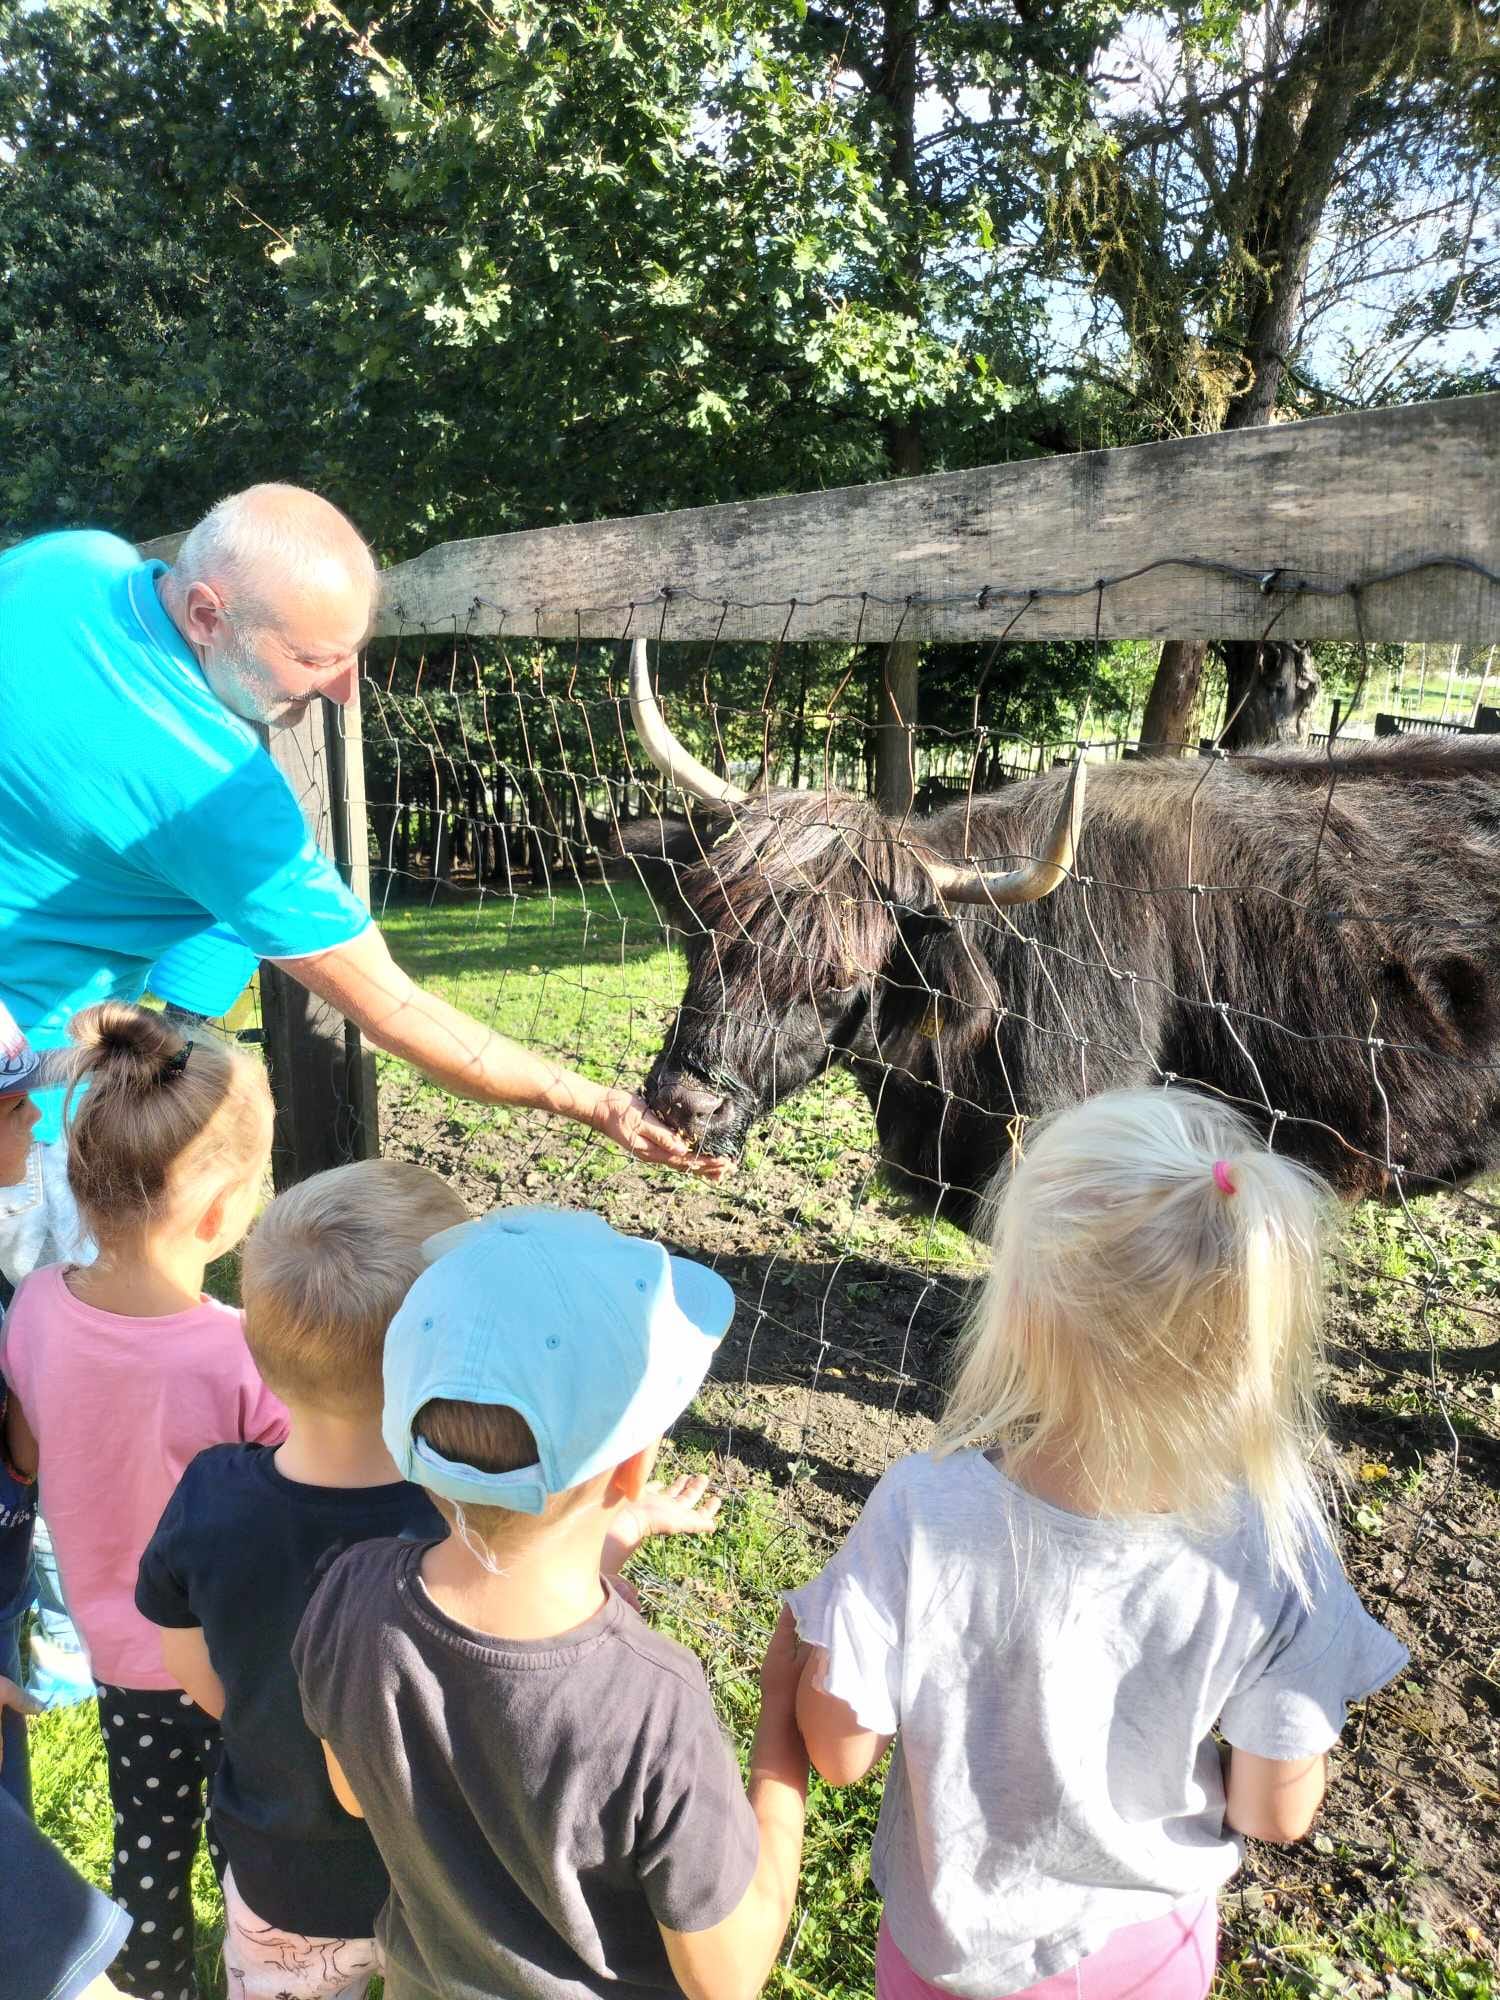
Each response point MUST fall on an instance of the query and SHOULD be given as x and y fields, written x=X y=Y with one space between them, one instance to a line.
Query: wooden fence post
x=322 y=1076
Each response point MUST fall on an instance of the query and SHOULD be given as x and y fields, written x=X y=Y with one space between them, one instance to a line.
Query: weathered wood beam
x=1336 y=501
x=1210 y=536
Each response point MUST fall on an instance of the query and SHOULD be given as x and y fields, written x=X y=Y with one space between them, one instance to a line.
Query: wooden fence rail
x=1282 y=518
x=1201 y=538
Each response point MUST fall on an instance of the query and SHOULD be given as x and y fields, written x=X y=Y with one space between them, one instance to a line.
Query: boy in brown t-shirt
x=544 y=1775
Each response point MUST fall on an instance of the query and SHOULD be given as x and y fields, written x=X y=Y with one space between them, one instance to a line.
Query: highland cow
x=1313 y=938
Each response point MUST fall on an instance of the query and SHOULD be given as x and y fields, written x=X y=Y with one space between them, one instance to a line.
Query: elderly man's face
x=302 y=647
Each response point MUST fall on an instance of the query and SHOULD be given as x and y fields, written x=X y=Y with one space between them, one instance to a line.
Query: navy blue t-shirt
x=17 y=1521
x=240 y=1551
x=17 y=1525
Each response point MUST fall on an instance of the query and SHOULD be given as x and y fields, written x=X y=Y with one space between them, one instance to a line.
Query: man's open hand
x=631 y=1123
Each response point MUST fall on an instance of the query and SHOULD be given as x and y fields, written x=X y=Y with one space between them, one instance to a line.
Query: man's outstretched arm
x=365 y=983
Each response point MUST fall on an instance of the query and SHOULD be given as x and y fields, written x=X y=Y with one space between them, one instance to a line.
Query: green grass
x=1380 y=1951
x=590 y=979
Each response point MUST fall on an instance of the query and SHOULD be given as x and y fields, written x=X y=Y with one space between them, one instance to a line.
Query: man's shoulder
x=76 y=552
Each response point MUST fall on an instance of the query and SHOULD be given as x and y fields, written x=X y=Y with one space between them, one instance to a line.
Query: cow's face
x=794 y=900
x=789 y=912
x=732 y=1054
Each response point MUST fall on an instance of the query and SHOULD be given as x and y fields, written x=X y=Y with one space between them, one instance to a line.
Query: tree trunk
x=403 y=848
x=439 y=831
x=1271 y=688
x=1299 y=138
x=1448 y=690
x=1169 y=707
x=896 y=716
x=799 y=727
x=1303 y=130
x=1484 y=677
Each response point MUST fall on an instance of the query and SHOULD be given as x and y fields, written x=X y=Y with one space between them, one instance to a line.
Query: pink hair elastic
x=1222 y=1180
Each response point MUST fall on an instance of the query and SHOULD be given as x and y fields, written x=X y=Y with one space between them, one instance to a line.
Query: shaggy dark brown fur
x=1315 y=940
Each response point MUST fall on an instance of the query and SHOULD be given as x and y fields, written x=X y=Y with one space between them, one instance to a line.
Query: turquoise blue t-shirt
x=135 y=809
x=205 y=974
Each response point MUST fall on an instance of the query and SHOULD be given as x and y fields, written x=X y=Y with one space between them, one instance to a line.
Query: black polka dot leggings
x=162 y=1751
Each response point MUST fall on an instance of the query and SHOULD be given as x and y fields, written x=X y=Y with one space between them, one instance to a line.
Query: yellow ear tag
x=931 y=1023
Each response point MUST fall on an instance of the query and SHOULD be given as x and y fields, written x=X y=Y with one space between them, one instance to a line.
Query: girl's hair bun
x=129 y=1045
x=140 y=1114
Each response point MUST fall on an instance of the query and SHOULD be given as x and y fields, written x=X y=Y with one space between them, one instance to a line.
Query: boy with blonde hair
x=247 y=1536
x=242 y=1543
x=545 y=1775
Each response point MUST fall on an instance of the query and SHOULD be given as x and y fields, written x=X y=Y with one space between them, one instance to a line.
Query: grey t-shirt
x=1055 y=1681
x=541 y=1804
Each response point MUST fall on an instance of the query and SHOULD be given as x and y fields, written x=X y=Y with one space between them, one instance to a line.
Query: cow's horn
x=1034 y=879
x=662 y=747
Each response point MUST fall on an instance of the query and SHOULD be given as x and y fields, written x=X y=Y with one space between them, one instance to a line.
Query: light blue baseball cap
x=600 y=1341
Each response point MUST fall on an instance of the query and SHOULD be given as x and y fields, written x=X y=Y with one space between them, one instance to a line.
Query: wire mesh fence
x=1314 y=941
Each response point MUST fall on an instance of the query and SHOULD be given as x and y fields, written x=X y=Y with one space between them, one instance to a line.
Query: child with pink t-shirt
x=121 y=1372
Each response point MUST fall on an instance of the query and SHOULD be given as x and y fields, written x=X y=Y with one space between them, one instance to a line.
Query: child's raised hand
x=686 y=1507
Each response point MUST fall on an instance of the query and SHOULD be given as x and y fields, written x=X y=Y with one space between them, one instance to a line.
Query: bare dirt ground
x=832 y=1369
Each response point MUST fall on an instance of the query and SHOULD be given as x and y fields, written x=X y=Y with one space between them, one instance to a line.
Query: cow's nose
x=691 y=1107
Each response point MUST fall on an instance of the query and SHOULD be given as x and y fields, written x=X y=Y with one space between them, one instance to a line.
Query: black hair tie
x=175 y=1065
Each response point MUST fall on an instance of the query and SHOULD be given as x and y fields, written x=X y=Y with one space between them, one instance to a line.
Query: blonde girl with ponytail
x=1117 y=1547
x=121 y=1372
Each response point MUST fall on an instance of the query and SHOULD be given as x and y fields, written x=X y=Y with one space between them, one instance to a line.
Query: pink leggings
x=1170 y=1958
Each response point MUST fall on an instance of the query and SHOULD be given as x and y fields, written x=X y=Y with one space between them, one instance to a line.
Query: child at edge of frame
x=1117 y=1546
x=20 y=1075
x=120 y=1372
x=544 y=1775
x=249 y=1533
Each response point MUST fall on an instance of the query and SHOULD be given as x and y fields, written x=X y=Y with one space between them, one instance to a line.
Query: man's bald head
x=257 y=545
x=275 y=590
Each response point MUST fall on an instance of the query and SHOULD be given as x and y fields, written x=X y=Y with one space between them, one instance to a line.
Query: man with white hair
x=138 y=806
